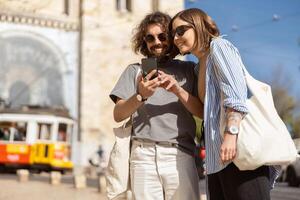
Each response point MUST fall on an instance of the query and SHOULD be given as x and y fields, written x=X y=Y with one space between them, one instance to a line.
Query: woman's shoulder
x=220 y=44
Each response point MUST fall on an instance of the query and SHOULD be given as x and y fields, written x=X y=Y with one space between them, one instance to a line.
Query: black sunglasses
x=180 y=30
x=151 y=38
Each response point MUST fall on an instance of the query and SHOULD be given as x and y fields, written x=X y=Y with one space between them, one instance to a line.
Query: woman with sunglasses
x=220 y=76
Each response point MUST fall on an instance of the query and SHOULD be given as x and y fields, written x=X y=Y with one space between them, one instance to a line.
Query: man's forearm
x=125 y=108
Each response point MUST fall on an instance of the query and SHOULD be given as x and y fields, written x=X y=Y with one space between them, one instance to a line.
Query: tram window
x=13 y=131
x=62 y=132
x=4 y=134
x=44 y=131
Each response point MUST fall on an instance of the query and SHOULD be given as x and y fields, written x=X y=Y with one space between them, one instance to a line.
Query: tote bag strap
x=138 y=72
x=246 y=73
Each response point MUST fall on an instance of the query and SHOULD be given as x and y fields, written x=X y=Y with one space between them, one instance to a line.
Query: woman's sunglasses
x=151 y=38
x=180 y=30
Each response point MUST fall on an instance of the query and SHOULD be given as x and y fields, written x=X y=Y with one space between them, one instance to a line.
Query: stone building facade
x=75 y=50
x=39 y=56
x=106 y=53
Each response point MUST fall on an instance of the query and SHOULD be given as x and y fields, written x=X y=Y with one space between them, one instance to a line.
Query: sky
x=266 y=32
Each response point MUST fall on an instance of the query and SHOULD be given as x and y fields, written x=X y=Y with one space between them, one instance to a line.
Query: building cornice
x=63 y=22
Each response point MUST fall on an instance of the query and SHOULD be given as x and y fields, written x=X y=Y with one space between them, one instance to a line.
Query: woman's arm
x=228 y=69
x=190 y=102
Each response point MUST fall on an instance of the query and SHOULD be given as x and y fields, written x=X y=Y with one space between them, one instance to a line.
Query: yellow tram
x=36 y=138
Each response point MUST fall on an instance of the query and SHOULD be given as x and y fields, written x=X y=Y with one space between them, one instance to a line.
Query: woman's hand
x=228 y=147
x=169 y=83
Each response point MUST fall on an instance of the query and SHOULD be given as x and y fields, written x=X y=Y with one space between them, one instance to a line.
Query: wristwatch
x=233 y=130
x=140 y=98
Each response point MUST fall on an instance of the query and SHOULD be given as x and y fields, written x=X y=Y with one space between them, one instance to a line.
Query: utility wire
x=276 y=18
x=269 y=55
x=237 y=29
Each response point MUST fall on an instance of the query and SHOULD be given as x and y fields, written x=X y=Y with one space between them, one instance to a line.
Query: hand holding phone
x=149 y=64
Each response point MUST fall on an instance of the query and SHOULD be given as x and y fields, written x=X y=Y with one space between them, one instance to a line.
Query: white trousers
x=161 y=172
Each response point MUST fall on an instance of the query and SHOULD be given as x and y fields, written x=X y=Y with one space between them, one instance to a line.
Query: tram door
x=44 y=144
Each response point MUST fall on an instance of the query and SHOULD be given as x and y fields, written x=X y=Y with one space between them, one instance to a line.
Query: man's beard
x=163 y=48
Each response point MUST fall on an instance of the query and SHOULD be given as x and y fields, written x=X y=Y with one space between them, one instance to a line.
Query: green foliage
x=198 y=128
x=296 y=127
x=286 y=106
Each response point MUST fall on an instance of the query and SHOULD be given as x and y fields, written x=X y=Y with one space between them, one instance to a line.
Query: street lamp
x=275 y=17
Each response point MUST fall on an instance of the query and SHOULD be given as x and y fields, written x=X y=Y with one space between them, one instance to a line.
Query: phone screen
x=149 y=64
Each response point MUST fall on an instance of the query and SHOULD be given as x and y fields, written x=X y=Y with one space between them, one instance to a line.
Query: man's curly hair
x=138 y=43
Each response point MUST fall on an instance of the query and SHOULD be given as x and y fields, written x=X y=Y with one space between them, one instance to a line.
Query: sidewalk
x=39 y=188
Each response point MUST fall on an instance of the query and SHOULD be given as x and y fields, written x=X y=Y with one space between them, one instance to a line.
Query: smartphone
x=149 y=64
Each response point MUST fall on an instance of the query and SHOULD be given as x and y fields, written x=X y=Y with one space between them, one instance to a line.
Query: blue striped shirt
x=224 y=75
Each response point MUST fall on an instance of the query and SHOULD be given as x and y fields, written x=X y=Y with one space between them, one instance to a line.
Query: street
x=280 y=192
x=39 y=188
x=283 y=192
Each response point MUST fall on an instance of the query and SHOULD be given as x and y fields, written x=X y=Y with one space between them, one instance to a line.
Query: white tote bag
x=263 y=138
x=117 y=172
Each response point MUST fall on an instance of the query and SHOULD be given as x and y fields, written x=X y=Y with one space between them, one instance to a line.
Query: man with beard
x=162 y=107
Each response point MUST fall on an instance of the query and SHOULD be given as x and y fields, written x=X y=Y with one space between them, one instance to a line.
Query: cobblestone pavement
x=39 y=188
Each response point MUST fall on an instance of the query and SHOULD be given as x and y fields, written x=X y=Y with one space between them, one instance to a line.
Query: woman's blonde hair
x=205 y=28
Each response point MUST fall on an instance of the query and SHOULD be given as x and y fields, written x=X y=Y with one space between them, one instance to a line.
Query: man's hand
x=169 y=83
x=228 y=147
x=147 y=87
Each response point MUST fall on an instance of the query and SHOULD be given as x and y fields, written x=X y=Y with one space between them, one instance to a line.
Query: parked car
x=291 y=173
x=199 y=159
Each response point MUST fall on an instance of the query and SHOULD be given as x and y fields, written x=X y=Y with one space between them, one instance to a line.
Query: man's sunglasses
x=180 y=30
x=151 y=38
